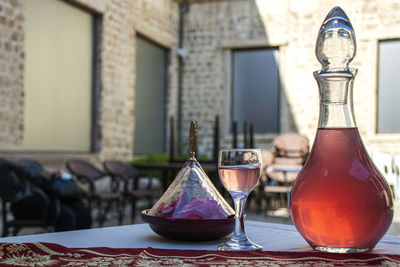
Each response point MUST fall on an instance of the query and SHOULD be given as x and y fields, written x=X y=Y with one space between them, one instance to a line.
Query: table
x=273 y=237
x=137 y=245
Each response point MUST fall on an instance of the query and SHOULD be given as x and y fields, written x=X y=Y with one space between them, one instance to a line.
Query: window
x=151 y=63
x=255 y=95
x=388 y=86
x=58 y=77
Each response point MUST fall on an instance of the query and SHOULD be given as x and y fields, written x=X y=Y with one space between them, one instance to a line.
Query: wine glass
x=239 y=171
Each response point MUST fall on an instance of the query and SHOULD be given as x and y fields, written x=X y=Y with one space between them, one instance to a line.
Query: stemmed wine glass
x=239 y=171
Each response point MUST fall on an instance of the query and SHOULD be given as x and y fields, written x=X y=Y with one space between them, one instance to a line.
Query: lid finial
x=192 y=139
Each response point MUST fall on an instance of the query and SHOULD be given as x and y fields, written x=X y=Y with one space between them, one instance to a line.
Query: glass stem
x=239 y=232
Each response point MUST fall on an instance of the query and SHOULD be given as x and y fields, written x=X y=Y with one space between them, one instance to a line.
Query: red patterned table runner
x=48 y=254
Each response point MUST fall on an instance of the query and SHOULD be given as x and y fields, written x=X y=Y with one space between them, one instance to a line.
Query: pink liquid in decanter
x=340 y=202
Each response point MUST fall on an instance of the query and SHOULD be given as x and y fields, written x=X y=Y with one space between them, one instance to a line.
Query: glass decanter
x=339 y=202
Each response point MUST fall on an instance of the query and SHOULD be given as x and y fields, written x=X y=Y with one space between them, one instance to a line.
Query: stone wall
x=214 y=28
x=121 y=21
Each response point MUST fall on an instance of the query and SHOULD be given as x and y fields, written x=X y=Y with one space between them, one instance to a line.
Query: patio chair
x=290 y=153
x=281 y=178
x=258 y=192
x=130 y=177
x=396 y=171
x=90 y=175
x=290 y=148
x=12 y=188
x=35 y=167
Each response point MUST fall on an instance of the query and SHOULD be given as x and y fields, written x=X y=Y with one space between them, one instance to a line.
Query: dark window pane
x=150 y=97
x=388 y=90
x=256 y=89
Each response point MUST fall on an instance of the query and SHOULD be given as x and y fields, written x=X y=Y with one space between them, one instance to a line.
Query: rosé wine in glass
x=239 y=180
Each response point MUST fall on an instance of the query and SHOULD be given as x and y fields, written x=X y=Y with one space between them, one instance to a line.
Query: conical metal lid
x=192 y=195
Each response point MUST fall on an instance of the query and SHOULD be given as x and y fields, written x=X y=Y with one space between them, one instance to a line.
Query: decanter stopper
x=192 y=140
x=336 y=42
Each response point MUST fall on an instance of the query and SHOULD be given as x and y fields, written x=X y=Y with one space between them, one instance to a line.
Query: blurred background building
x=100 y=79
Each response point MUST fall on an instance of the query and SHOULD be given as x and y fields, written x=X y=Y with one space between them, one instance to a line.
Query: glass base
x=341 y=250
x=239 y=245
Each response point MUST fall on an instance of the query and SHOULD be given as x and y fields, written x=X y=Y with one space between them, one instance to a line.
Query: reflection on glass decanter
x=339 y=202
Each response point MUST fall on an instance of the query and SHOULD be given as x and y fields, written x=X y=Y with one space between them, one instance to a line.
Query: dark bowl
x=190 y=230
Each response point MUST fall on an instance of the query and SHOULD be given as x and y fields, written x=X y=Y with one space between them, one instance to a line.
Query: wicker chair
x=258 y=192
x=130 y=178
x=291 y=148
x=290 y=153
x=90 y=175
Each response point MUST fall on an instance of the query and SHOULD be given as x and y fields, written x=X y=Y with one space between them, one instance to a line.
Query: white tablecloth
x=273 y=237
